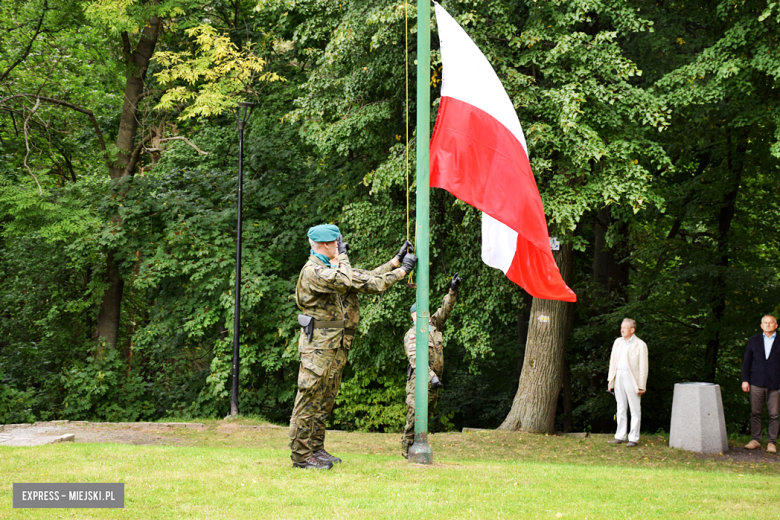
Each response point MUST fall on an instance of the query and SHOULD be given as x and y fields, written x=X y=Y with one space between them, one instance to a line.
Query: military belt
x=340 y=324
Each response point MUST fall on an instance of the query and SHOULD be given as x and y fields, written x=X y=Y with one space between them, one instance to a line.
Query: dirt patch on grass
x=87 y=432
x=739 y=454
x=145 y=433
x=121 y=435
x=229 y=427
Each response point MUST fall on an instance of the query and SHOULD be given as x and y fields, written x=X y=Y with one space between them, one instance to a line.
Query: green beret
x=414 y=308
x=324 y=233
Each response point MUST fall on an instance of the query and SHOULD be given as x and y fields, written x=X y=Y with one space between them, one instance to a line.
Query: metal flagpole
x=242 y=114
x=420 y=452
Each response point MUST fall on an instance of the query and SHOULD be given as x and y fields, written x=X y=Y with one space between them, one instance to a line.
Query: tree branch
x=137 y=153
x=27 y=145
x=674 y=319
x=177 y=138
x=29 y=46
x=126 y=48
x=77 y=108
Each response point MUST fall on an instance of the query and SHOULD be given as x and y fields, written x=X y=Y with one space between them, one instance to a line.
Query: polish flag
x=479 y=154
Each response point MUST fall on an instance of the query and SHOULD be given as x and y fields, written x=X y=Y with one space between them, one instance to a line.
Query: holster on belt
x=309 y=324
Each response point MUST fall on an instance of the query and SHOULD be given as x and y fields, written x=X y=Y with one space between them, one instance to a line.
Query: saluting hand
x=456 y=281
x=343 y=246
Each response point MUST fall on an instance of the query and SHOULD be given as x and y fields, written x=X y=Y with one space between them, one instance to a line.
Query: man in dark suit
x=761 y=377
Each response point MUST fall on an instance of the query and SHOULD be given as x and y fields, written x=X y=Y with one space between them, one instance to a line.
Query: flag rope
x=406 y=61
x=406 y=120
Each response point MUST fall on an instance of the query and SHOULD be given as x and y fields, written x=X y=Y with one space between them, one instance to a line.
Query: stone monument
x=698 y=423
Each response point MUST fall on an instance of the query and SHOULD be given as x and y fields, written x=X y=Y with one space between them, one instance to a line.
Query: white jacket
x=637 y=362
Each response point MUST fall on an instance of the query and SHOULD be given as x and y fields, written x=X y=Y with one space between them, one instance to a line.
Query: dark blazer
x=756 y=368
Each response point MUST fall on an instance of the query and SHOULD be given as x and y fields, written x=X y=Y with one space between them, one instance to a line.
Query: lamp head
x=242 y=111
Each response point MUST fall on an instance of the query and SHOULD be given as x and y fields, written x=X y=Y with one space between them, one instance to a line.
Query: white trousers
x=625 y=394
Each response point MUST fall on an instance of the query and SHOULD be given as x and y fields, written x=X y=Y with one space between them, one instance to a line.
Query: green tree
x=699 y=265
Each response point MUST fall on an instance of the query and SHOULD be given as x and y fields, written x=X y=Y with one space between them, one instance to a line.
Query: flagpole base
x=420 y=452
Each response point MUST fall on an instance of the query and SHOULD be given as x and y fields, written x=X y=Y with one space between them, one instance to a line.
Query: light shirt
x=623 y=358
x=768 y=343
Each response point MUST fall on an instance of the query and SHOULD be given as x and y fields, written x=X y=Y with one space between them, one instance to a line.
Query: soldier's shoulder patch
x=320 y=270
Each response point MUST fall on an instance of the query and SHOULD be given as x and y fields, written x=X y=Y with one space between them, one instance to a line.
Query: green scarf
x=321 y=257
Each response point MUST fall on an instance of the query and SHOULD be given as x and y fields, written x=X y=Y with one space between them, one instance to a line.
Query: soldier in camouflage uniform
x=327 y=290
x=435 y=361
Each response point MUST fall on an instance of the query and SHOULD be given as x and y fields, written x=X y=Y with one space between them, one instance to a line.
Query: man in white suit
x=628 y=376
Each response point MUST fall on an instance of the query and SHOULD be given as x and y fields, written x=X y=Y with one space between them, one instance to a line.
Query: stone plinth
x=34 y=435
x=698 y=423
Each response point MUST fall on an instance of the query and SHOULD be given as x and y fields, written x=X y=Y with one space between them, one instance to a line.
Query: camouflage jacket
x=329 y=293
x=435 y=339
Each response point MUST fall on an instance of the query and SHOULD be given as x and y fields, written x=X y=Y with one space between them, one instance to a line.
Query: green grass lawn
x=243 y=471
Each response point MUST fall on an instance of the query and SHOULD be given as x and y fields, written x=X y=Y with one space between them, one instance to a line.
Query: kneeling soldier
x=326 y=294
x=435 y=361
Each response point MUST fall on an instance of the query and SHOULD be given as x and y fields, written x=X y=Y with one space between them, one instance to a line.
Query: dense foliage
x=653 y=130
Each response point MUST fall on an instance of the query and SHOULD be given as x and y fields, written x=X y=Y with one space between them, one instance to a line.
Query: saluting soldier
x=326 y=294
x=435 y=360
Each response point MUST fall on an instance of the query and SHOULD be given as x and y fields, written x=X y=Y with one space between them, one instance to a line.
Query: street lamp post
x=242 y=114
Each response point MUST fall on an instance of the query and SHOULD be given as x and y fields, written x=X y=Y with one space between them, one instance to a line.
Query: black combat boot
x=324 y=456
x=405 y=448
x=313 y=463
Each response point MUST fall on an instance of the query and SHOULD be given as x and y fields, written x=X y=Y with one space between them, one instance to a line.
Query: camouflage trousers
x=319 y=379
x=408 y=437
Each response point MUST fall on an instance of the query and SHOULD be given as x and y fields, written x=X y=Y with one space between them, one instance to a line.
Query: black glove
x=406 y=248
x=436 y=382
x=409 y=262
x=456 y=281
x=343 y=246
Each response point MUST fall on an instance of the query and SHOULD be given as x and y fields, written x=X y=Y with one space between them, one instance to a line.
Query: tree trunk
x=92 y=332
x=725 y=217
x=108 y=318
x=522 y=329
x=137 y=62
x=536 y=399
x=568 y=418
x=610 y=271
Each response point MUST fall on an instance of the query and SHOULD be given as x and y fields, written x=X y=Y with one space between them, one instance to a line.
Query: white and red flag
x=479 y=154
